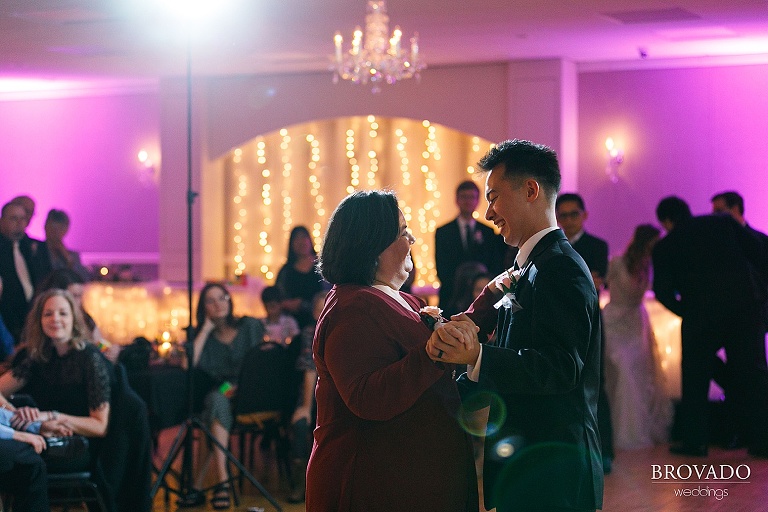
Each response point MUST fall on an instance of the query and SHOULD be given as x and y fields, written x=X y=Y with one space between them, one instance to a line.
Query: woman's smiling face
x=395 y=261
x=57 y=319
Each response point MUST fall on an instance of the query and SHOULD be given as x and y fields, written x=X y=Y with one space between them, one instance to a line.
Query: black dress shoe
x=691 y=450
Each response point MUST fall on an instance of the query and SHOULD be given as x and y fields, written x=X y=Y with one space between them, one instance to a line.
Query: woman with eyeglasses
x=220 y=344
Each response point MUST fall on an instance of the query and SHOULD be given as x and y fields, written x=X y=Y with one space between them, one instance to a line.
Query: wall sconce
x=615 y=158
x=147 y=171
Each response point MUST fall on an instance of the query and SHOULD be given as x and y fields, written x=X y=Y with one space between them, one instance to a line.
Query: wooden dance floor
x=631 y=487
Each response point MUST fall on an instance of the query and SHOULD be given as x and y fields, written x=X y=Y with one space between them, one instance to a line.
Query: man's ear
x=532 y=190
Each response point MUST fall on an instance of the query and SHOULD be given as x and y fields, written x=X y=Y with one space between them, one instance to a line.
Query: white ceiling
x=125 y=39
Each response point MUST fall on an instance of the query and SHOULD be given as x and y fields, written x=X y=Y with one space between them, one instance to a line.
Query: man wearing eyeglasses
x=571 y=215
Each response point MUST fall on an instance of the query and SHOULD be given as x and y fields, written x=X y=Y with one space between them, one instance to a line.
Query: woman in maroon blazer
x=387 y=437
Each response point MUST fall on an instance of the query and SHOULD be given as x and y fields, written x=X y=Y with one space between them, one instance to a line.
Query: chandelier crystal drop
x=377 y=58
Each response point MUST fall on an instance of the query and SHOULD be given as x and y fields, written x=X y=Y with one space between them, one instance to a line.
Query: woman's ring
x=439 y=353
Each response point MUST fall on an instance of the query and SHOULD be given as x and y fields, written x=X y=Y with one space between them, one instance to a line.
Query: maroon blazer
x=387 y=437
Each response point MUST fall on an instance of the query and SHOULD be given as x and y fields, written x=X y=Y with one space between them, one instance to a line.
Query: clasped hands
x=455 y=341
x=50 y=425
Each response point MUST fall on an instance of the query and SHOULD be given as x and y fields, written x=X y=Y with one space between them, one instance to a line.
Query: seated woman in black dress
x=220 y=343
x=298 y=278
x=61 y=371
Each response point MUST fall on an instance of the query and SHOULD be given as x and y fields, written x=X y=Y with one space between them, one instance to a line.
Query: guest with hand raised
x=220 y=344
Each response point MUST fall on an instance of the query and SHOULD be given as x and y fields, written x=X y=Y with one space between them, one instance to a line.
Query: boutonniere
x=432 y=316
x=478 y=237
x=507 y=282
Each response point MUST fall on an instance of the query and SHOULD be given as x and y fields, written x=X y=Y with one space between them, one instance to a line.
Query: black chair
x=263 y=403
x=65 y=489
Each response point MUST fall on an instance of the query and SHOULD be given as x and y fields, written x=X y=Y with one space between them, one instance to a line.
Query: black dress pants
x=23 y=476
x=742 y=336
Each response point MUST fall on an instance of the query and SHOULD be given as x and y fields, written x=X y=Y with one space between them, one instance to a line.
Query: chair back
x=265 y=380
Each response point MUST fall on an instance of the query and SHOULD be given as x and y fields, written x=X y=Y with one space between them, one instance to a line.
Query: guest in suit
x=571 y=215
x=18 y=269
x=465 y=239
x=542 y=372
x=733 y=204
x=39 y=259
x=704 y=271
x=387 y=436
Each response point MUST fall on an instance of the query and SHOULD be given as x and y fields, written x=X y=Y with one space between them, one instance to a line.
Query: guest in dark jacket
x=704 y=271
x=465 y=239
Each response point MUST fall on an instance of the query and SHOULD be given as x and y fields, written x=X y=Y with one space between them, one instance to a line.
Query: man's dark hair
x=673 y=209
x=362 y=226
x=7 y=206
x=467 y=185
x=731 y=198
x=522 y=159
x=57 y=216
x=272 y=294
x=570 y=196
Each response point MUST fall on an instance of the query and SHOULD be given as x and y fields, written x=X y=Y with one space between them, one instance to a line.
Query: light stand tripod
x=185 y=436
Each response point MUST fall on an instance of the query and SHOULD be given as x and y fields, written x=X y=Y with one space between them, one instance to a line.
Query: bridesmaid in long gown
x=641 y=413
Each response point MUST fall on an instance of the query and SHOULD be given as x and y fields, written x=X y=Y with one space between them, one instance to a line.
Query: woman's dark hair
x=298 y=230
x=638 y=254
x=231 y=320
x=61 y=278
x=362 y=226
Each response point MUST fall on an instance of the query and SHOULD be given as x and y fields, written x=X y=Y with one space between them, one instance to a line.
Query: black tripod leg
x=237 y=463
x=175 y=448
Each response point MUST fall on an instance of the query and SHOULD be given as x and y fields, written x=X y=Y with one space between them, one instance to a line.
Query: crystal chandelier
x=378 y=58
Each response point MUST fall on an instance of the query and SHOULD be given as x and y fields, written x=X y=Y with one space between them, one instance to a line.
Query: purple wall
x=688 y=132
x=80 y=155
x=691 y=132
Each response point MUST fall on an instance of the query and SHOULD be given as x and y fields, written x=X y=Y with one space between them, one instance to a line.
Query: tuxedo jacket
x=709 y=267
x=594 y=250
x=484 y=246
x=541 y=377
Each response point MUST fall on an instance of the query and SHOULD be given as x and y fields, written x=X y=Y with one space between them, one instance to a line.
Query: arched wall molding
x=297 y=176
x=481 y=99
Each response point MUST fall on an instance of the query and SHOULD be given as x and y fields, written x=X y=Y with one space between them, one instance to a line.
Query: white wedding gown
x=641 y=413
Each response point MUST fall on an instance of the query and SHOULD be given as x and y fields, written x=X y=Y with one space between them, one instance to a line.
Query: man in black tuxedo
x=541 y=373
x=19 y=269
x=464 y=239
x=571 y=215
x=705 y=271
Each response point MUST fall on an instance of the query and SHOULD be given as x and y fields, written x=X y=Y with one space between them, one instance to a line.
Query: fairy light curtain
x=297 y=176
